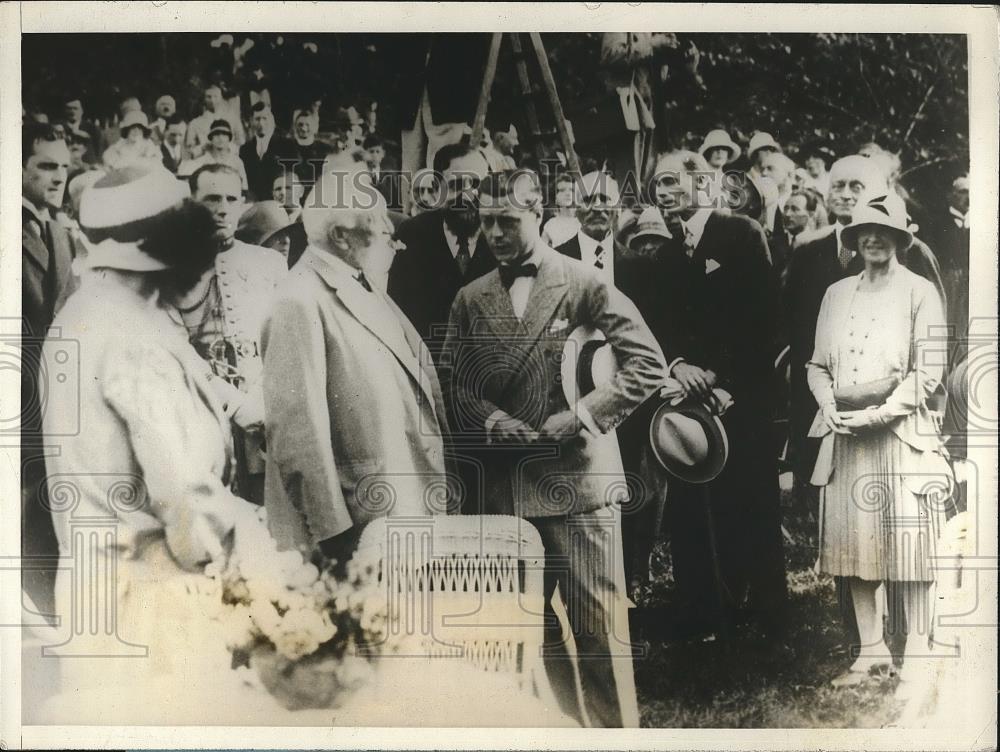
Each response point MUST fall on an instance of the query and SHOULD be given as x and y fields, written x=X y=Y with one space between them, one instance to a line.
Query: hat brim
x=126 y=128
x=734 y=150
x=718 y=442
x=271 y=235
x=220 y=132
x=578 y=354
x=649 y=234
x=849 y=235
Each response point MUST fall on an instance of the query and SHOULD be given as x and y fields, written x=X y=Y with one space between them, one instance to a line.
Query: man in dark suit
x=172 y=147
x=444 y=247
x=308 y=151
x=817 y=261
x=47 y=280
x=597 y=205
x=716 y=325
x=73 y=113
x=947 y=232
x=507 y=334
x=263 y=153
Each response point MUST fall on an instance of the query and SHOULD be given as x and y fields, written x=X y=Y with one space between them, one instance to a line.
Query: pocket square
x=711 y=265
x=558 y=325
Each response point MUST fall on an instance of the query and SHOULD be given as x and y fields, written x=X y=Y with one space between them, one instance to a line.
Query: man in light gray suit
x=554 y=464
x=354 y=412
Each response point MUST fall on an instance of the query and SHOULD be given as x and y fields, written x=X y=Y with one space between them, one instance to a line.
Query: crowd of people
x=256 y=327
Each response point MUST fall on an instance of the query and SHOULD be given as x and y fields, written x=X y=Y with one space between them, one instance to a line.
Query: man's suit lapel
x=494 y=311
x=546 y=294
x=35 y=247
x=705 y=243
x=428 y=374
x=366 y=308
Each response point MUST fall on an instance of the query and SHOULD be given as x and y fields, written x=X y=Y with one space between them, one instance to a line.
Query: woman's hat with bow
x=884 y=210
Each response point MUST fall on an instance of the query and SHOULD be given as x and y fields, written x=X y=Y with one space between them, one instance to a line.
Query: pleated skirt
x=878 y=522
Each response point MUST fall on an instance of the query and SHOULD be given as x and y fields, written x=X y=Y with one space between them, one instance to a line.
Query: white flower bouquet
x=309 y=635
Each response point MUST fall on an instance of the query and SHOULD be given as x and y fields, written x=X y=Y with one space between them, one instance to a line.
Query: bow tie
x=509 y=273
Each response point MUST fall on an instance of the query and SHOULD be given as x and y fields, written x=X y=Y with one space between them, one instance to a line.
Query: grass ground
x=707 y=684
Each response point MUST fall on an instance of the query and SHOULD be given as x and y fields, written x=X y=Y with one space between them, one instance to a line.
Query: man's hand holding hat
x=696 y=381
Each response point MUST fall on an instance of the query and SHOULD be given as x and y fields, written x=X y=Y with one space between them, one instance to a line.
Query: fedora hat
x=887 y=211
x=719 y=139
x=133 y=118
x=689 y=441
x=261 y=221
x=587 y=363
x=762 y=140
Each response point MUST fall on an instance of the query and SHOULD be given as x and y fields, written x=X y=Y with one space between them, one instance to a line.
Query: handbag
x=869 y=394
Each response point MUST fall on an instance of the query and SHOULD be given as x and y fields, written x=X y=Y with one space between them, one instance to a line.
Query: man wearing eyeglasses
x=445 y=249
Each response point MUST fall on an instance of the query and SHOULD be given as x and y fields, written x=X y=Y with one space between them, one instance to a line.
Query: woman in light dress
x=882 y=471
x=134 y=148
x=138 y=488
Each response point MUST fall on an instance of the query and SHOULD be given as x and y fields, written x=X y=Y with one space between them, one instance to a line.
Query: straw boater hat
x=120 y=198
x=133 y=118
x=689 y=441
x=887 y=211
x=762 y=140
x=719 y=139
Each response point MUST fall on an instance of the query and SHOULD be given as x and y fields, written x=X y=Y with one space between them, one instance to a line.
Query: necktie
x=509 y=273
x=462 y=257
x=599 y=257
x=845 y=255
x=688 y=241
x=363 y=281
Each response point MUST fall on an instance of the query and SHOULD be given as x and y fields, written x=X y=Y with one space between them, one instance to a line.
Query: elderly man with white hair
x=353 y=403
x=597 y=203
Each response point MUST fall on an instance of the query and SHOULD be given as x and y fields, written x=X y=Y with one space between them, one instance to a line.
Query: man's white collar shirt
x=588 y=254
x=520 y=288
x=961 y=220
x=173 y=151
x=452 y=240
x=262 y=143
x=694 y=228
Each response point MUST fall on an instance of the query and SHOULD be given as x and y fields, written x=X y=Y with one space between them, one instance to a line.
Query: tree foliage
x=908 y=92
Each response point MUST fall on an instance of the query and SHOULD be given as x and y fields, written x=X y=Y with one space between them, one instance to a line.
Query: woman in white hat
x=151 y=456
x=719 y=149
x=135 y=146
x=883 y=477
